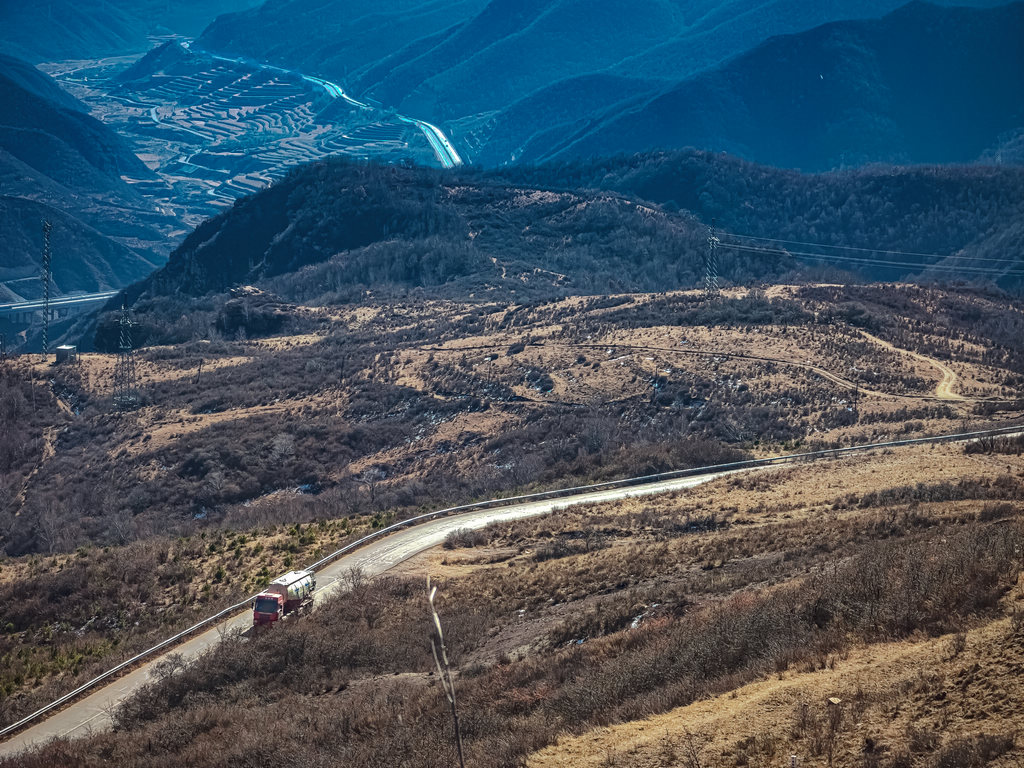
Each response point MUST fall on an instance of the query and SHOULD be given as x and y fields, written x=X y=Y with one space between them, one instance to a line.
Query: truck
x=285 y=595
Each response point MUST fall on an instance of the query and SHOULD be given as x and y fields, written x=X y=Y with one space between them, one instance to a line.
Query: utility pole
x=47 y=226
x=711 y=264
x=126 y=394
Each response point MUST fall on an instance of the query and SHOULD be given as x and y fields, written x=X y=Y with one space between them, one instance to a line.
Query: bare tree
x=444 y=669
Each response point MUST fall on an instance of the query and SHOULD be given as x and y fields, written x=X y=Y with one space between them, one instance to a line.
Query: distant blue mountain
x=516 y=80
x=55 y=30
x=923 y=84
x=338 y=38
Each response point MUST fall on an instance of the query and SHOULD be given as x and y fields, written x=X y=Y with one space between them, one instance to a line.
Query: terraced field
x=215 y=129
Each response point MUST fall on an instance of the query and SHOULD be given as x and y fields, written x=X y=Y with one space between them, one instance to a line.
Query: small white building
x=67 y=353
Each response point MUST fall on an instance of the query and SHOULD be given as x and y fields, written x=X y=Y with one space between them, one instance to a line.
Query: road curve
x=944 y=390
x=376 y=553
x=94 y=711
x=439 y=142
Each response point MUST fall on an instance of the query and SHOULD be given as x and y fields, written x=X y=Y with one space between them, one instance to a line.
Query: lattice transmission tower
x=126 y=392
x=711 y=263
x=47 y=279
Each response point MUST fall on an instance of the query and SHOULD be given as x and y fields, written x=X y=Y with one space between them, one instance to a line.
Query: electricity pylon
x=47 y=279
x=126 y=393
x=711 y=264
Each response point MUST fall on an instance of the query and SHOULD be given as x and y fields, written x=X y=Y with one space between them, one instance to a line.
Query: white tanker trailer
x=291 y=593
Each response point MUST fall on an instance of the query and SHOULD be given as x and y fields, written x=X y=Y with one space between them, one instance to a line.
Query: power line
x=887 y=263
x=881 y=263
x=126 y=393
x=869 y=250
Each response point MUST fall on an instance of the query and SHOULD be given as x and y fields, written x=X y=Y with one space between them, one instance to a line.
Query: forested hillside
x=968 y=213
x=334 y=228
x=379 y=226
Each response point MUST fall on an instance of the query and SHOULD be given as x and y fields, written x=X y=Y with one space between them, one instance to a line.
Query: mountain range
x=813 y=86
x=57 y=30
x=59 y=163
x=334 y=229
x=554 y=82
x=923 y=84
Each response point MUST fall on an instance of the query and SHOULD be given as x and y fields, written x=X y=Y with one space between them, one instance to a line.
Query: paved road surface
x=93 y=711
x=443 y=148
x=56 y=303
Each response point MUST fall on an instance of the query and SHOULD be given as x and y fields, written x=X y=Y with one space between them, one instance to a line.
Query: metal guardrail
x=507 y=502
x=13 y=727
x=661 y=477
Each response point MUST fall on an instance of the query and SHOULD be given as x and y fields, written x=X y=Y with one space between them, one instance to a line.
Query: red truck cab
x=267 y=608
x=291 y=593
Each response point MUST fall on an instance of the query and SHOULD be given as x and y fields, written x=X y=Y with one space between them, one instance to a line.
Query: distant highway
x=335 y=90
x=64 y=302
x=93 y=711
x=443 y=149
x=439 y=142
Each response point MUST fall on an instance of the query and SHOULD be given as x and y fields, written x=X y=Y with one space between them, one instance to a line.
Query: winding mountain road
x=93 y=712
x=382 y=551
x=944 y=389
x=439 y=142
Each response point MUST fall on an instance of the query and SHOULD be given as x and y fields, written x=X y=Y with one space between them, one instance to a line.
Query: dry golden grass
x=742 y=533
x=594 y=361
x=750 y=530
x=890 y=698
x=891 y=695
x=158 y=427
x=136 y=596
x=642 y=567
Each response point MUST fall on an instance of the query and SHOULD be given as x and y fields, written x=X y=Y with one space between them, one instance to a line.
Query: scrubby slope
x=562 y=626
x=551 y=230
x=390 y=226
x=876 y=209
